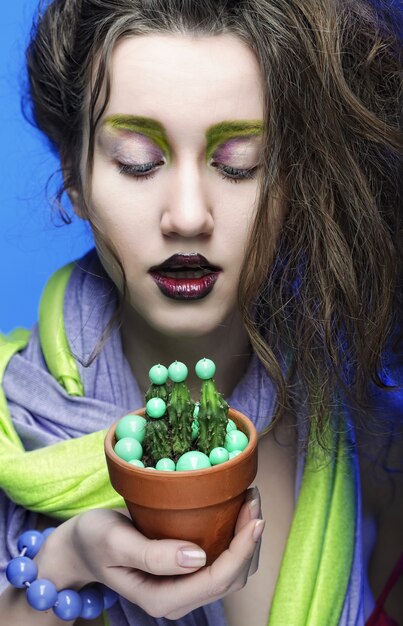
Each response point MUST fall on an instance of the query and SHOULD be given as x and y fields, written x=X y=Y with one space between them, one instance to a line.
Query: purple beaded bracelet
x=42 y=594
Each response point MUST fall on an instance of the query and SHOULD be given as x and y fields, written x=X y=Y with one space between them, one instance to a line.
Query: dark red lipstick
x=185 y=276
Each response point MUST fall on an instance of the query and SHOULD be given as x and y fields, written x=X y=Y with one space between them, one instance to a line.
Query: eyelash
x=147 y=170
x=234 y=175
x=141 y=172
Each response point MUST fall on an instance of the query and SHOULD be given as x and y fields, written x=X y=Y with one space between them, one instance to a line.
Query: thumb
x=165 y=556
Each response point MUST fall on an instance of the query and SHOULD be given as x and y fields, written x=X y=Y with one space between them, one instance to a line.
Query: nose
x=186 y=211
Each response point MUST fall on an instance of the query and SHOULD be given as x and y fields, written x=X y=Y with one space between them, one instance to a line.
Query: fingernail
x=252 y=494
x=191 y=557
x=254 y=506
x=257 y=531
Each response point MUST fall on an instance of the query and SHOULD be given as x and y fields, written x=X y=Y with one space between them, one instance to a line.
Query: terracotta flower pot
x=200 y=506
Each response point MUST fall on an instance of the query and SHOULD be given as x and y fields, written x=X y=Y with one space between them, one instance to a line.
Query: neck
x=227 y=345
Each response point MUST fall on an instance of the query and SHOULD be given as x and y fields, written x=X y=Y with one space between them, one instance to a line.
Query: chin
x=193 y=322
x=183 y=329
x=190 y=320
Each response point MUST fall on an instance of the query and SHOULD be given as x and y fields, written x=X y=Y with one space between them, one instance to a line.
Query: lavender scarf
x=43 y=414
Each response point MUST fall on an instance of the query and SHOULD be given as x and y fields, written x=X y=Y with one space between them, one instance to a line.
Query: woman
x=238 y=164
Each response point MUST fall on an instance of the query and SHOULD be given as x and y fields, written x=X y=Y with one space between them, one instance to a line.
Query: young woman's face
x=175 y=176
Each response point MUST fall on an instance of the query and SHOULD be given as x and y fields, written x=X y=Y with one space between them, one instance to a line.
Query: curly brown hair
x=332 y=154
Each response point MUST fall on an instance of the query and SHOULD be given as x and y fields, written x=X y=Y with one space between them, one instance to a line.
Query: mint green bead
x=128 y=449
x=234 y=453
x=205 y=369
x=167 y=465
x=136 y=462
x=131 y=426
x=231 y=426
x=196 y=410
x=235 y=440
x=156 y=407
x=193 y=460
x=177 y=372
x=195 y=429
x=158 y=374
x=150 y=467
x=218 y=455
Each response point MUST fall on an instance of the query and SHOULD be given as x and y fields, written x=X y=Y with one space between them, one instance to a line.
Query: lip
x=174 y=276
x=182 y=259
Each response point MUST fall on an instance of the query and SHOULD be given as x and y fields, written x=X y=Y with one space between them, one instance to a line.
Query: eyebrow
x=224 y=131
x=215 y=135
x=144 y=125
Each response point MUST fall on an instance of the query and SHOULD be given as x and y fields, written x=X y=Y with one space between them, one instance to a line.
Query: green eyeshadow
x=224 y=131
x=143 y=125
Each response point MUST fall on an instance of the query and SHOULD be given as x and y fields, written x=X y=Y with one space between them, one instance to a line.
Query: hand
x=228 y=573
x=105 y=547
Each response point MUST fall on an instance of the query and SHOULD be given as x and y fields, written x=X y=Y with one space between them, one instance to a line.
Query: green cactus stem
x=158 y=391
x=157 y=441
x=180 y=415
x=212 y=417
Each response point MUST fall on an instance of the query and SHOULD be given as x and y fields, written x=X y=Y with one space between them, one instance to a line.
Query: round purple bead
x=110 y=596
x=32 y=540
x=93 y=602
x=20 y=571
x=42 y=594
x=69 y=605
x=47 y=532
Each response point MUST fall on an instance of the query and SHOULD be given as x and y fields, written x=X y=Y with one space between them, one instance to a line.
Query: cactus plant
x=175 y=427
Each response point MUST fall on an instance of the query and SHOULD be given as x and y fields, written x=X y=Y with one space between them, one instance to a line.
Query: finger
x=166 y=557
x=240 y=551
x=226 y=575
x=250 y=509
x=161 y=557
x=255 y=559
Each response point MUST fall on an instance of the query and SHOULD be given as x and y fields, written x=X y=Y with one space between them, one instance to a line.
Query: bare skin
x=275 y=478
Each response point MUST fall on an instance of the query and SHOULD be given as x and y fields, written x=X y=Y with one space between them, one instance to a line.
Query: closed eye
x=235 y=175
x=142 y=171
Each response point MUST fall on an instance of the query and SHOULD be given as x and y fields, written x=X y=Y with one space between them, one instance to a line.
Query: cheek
x=236 y=212
x=108 y=261
x=126 y=218
x=117 y=197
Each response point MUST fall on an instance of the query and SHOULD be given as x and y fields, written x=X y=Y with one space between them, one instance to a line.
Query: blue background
x=32 y=242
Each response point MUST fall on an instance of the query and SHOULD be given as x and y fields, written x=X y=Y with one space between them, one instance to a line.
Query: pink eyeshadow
x=240 y=152
x=130 y=147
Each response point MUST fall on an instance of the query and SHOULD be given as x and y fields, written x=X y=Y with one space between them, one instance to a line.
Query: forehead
x=185 y=81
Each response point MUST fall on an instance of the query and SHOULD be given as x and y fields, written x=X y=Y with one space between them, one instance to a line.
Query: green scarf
x=316 y=565
x=68 y=477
